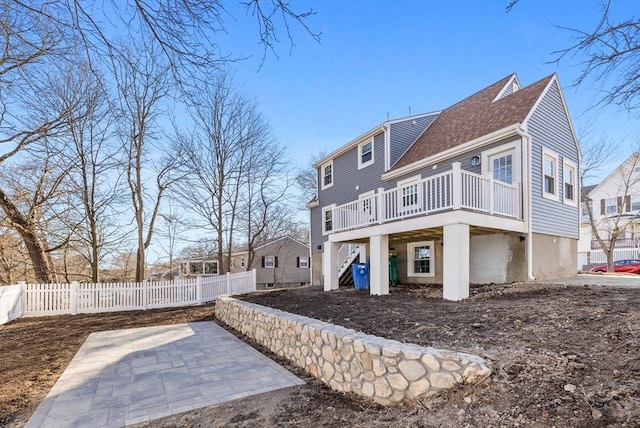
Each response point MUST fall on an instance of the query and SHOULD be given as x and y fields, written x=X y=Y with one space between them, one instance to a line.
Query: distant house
x=615 y=203
x=281 y=262
x=484 y=191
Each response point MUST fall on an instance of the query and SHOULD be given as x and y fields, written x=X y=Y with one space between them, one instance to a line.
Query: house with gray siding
x=282 y=262
x=483 y=191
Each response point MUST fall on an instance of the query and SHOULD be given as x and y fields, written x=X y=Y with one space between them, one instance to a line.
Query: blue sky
x=376 y=57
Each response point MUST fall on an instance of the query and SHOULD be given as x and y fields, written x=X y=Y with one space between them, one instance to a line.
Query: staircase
x=347 y=254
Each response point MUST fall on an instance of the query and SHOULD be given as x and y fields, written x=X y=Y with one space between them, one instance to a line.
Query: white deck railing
x=55 y=299
x=451 y=190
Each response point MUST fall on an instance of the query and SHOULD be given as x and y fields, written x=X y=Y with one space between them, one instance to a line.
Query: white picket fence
x=23 y=300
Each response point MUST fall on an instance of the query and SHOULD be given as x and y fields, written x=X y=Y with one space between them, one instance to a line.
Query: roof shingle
x=474 y=117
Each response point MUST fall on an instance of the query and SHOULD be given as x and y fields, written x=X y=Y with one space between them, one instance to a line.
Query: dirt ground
x=564 y=356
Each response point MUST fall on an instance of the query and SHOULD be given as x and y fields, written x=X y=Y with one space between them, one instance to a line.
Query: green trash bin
x=393 y=269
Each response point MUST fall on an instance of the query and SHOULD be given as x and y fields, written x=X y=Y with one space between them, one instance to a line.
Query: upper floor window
x=635 y=203
x=365 y=154
x=502 y=166
x=327 y=175
x=327 y=219
x=569 y=185
x=610 y=206
x=549 y=174
x=303 y=262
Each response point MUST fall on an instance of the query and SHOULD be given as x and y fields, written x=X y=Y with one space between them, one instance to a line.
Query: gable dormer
x=512 y=85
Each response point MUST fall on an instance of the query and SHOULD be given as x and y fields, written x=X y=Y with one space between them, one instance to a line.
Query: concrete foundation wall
x=316 y=269
x=386 y=371
x=497 y=258
x=554 y=257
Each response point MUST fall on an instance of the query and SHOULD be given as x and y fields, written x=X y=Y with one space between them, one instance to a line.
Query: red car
x=629 y=266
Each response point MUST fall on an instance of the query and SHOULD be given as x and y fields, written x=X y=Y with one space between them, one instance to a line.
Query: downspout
x=528 y=181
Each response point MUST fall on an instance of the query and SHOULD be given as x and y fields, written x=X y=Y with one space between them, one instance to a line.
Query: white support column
x=330 y=265
x=379 y=265
x=363 y=252
x=456 y=262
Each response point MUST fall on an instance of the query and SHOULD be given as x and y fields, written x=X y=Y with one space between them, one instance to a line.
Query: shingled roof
x=474 y=117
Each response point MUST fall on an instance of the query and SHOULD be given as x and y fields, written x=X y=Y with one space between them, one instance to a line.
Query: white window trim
x=333 y=175
x=267 y=263
x=306 y=263
x=402 y=183
x=432 y=266
x=369 y=162
x=514 y=148
x=546 y=153
x=324 y=210
x=568 y=164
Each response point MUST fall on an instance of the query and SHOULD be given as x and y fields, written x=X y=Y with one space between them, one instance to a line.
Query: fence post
x=229 y=289
x=23 y=298
x=145 y=298
x=199 y=289
x=255 y=287
x=73 y=294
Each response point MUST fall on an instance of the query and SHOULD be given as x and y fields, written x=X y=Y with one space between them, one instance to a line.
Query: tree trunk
x=37 y=253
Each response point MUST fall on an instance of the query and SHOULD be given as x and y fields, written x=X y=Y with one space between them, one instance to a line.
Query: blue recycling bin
x=360 y=274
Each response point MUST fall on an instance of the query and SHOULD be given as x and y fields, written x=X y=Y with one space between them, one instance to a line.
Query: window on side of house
x=269 y=262
x=569 y=183
x=242 y=262
x=549 y=174
x=420 y=259
x=635 y=203
x=210 y=268
x=327 y=175
x=611 y=206
x=327 y=219
x=303 y=262
x=365 y=154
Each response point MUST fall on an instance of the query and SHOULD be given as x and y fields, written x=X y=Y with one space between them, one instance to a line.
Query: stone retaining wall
x=386 y=371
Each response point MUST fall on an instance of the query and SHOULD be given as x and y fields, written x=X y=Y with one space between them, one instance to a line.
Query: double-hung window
x=569 y=183
x=420 y=259
x=327 y=175
x=611 y=206
x=635 y=203
x=365 y=154
x=327 y=219
x=549 y=174
x=409 y=201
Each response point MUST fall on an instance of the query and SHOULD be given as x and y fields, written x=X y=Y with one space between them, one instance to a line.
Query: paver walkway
x=123 y=377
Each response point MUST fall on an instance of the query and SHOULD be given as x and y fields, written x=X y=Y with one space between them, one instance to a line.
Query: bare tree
x=34 y=198
x=611 y=52
x=609 y=223
x=143 y=87
x=233 y=169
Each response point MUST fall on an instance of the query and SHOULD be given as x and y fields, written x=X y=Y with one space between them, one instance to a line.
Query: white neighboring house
x=615 y=202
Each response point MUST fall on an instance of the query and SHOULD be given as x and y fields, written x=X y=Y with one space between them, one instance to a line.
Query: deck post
x=456 y=262
x=380 y=203
x=379 y=265
x=456 y=185
x=330 y=265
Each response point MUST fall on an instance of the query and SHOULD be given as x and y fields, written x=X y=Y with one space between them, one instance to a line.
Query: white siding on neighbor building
x=550 y=129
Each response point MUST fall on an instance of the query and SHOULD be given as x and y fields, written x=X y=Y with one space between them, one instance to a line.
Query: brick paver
x=123 y=377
